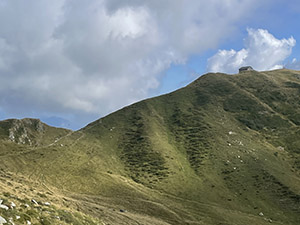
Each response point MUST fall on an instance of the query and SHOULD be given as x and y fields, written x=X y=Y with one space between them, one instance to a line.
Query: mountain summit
x=222 y=150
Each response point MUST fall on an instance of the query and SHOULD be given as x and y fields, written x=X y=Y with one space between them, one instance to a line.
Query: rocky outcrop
x=21 y=130
x=30 y=132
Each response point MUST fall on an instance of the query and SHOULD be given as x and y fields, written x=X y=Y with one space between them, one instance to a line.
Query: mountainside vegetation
x=224 y=150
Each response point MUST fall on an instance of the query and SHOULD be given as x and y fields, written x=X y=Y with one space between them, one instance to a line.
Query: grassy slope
x=219 y=151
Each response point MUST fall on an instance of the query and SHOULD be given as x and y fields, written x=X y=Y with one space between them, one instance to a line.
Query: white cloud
x=262 y=51
x=88 y=58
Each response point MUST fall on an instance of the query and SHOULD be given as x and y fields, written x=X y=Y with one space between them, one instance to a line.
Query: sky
x=70 y=62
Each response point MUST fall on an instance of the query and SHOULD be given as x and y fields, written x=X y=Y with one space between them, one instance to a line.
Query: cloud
x=262 y=51
x=84 y=59
x=294 y=64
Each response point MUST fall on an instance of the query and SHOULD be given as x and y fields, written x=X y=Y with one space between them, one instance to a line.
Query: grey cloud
x=84 y=59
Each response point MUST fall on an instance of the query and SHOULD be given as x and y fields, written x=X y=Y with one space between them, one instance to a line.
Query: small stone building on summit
x=246 y=68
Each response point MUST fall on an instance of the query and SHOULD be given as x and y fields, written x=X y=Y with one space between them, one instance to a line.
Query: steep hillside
x=223 y=150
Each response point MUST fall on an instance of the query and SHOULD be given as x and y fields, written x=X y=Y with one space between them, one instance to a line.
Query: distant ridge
x=29 y=131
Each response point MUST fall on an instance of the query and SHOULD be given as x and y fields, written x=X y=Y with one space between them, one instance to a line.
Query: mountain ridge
x=222 y=150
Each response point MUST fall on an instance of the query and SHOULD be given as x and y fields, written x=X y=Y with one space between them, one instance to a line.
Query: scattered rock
x=280 y=148
x=28 y=222
x=122 y=210
x=261 y=214
x=2 y=220
x=47 y=204
x=12 y=205
x=18 y=217
x=11 y=221
x=34 y=202
x=4 y=207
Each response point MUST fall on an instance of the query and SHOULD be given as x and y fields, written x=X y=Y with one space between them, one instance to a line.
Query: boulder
x=12 y=205
x=2 y=220
x=34 y=202
x=47 y=204
x=4 y=207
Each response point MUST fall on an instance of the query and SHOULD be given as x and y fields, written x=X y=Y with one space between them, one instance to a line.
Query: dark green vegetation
x=222 y=151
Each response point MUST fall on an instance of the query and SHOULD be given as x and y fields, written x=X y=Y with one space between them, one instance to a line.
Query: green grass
x=219 y=151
